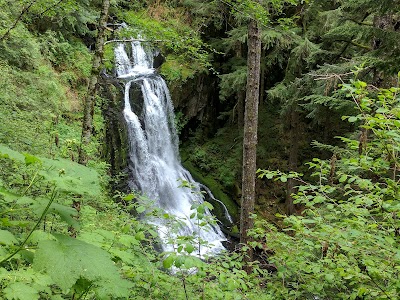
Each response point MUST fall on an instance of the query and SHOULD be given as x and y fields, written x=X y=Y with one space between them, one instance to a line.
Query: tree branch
x=50 y=7
x=348 y=43
x=133 y=40
x=24 y=11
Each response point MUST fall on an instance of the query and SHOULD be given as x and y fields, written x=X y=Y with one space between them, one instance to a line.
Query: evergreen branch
x=247 y=15
x=23 y=12
x=50 y=7
x=348 y=44
x=361 y=23
x=354 y=43
x=21 y=246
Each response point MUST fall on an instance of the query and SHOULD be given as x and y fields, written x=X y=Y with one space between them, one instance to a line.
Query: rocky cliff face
x=198 y=100
x=116 y=137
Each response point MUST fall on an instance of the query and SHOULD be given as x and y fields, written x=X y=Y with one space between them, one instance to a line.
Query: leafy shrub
x=344 y=245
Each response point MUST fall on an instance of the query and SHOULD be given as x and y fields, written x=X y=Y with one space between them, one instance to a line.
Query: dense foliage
x=329 y=145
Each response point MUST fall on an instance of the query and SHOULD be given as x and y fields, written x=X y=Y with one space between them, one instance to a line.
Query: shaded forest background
x=327 y=196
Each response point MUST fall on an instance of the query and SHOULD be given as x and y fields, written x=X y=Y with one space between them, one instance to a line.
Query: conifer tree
x=250 y=134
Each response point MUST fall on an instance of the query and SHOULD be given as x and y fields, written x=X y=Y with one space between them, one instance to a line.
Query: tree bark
x=88 y=108
x=250 y=136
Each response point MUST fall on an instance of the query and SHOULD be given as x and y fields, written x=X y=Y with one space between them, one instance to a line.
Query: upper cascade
x=139 y=64
x=154 y=162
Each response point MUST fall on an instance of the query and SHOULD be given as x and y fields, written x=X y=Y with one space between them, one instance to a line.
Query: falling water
x=154 y=161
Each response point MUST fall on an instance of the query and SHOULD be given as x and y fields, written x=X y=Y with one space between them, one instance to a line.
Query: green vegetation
x=329 y=122
x=345 y=245
x=186 y=54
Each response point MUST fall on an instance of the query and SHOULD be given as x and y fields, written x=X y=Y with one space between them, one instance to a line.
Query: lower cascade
x=154 y=163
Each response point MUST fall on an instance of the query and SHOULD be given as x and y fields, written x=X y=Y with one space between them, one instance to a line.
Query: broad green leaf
x=168 y=262
x=7 y=238
x=329 y=277
x=319 y=199
x=40 y=235
x=125 y=256
x=231 y=285
x=66 y=213
x=382 y=110
x=25 y=201
x=7 y=196
x=189 y=248
x=269 y=175
x=343 y=178
x=308 y=221
x=31 y=159
x=180 y=261
x=208 y=205
x=127 y=240
x=140 y=236
x=20 y=291
x=283 y=178
x=129 y=197
x=140 y=209
x=67 y=259
x=193 y=262
x=352 y=119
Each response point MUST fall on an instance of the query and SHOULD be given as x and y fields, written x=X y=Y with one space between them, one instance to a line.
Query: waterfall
x=154 y=162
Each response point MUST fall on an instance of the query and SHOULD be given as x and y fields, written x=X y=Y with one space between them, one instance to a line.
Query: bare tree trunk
x=88 y=108
x=250 y=135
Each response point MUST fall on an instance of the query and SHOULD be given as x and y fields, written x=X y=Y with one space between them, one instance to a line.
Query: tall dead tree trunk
x=250 y=135
x=88 y=106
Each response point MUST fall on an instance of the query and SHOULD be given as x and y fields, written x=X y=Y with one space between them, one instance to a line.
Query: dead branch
x=133 y=40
